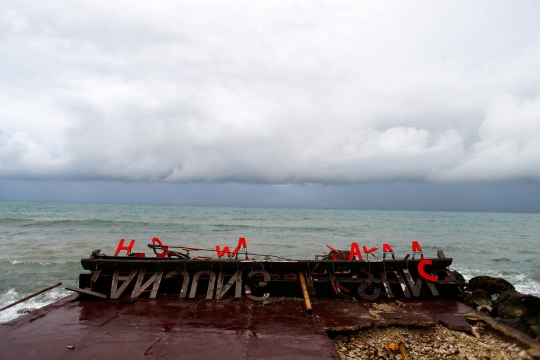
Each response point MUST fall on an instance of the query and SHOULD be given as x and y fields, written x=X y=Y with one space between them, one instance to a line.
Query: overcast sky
x=303 y=94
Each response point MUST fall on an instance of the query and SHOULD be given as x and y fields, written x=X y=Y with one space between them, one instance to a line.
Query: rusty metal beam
x=85 y=291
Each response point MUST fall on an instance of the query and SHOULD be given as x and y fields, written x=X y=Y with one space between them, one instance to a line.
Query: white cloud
x=277 y=92
x=509 y=144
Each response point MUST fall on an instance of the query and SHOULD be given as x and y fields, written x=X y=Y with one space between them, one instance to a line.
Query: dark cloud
x=500 y=196
x=270 y=93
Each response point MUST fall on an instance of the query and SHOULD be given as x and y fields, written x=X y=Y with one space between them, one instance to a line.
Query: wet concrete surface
x=171 y=328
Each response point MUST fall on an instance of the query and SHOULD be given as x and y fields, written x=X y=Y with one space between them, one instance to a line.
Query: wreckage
x=237 y=304
x=342 y=274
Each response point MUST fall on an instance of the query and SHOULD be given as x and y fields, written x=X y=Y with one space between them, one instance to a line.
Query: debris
x=403 y=351
x=25 y=310
x=431 y=343
x=475 y=332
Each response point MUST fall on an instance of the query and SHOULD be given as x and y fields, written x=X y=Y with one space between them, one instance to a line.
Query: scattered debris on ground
x=437 y=342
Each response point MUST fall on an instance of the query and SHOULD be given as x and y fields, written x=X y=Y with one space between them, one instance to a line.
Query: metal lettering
x=139 y=287
x=247 y=289
x=365 y=285
x=416 y=287
x=423 y=273
x=116 y=292
x=221 y=289
x=185 y=281
x=400 y=280
x=211 y=284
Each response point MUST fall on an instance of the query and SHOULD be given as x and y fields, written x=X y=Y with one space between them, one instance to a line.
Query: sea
x=42 y=243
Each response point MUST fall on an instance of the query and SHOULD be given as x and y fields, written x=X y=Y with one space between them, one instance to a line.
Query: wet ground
x=170 y=328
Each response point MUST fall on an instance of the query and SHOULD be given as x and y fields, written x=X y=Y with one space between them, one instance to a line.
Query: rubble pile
x=435 y=342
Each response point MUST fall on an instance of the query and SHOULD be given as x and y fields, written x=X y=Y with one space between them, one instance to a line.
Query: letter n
x=221 y=289
x=416 y=286
x=140 y=287
x=116 y=292
x=402 y=284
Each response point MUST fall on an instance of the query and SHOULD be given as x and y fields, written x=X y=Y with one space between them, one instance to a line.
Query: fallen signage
x=345 y=274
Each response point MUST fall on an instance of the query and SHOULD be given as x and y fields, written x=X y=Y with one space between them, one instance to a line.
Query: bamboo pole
x=307 y=300
x=30 y=296
x=403 y=351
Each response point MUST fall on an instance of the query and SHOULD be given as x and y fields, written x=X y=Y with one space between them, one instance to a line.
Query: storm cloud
x=276 y=92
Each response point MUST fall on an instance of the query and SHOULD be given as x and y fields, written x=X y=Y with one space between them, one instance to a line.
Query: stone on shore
x=490 y=284
x=515 y=305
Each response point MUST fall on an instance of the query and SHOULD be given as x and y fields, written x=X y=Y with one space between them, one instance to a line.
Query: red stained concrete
x=170 y=328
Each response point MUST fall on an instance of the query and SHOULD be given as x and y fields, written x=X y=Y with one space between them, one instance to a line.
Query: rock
x=481 y=297
x=536 y=330
x=466 y=298
x=533 y=353
x=505 y=295
x=490 y=284
x=525 y=307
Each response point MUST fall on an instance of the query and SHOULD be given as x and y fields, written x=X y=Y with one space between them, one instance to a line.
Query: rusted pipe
x=403 y=351
x=30 y=296
x=307 y=300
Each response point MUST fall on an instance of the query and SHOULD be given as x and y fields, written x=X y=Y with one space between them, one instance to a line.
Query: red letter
x=226 y=250
x=416 y=246
x=423 y=273
x=164 y=247
x=387 y=247
x=355 y=250
x=335 y=252
x=370 y=251
x=241 y=244
x=121 y=247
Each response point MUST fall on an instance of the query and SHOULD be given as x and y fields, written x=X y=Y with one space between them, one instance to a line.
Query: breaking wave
x=10 y=296
x=523 y=283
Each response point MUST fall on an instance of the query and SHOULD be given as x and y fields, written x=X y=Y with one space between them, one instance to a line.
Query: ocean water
x=42 y=243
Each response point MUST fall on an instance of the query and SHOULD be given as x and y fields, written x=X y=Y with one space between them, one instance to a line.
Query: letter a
x=355 y=250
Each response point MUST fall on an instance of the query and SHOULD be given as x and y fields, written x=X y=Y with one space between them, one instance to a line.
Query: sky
x=381 y=104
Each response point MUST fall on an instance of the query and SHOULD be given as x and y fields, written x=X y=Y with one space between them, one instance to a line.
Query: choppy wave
x=31 y=262
x=523 y=283
x=42 y=243
x=10 y=296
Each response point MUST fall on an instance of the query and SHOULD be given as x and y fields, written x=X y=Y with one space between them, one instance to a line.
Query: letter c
x=423 y=273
